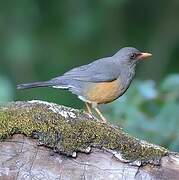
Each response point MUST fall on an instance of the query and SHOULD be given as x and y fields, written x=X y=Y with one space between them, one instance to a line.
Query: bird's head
x=130 y=55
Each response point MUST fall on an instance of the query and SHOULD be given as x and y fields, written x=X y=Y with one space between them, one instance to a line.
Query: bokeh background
x=40 y=39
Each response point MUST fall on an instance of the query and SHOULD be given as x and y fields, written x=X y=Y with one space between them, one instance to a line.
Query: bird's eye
x=133 y=56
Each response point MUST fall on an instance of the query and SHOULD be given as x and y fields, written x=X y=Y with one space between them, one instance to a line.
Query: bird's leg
x=94 y=106
x=100 y=114
x=88 y=106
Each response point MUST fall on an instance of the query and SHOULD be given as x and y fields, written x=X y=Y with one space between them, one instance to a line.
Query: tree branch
x=69 y=131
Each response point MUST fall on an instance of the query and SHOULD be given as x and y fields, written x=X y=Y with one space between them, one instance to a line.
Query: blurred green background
x=41 y=39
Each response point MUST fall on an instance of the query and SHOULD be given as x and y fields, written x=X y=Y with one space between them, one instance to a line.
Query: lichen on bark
x=68 y=130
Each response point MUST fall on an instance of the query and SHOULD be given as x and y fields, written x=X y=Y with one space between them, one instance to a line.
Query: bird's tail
x=35 y=85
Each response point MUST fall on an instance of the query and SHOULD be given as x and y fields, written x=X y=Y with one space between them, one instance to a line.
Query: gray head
x=130 y=55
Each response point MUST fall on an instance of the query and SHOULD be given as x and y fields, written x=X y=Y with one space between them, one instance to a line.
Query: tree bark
x=40 y=140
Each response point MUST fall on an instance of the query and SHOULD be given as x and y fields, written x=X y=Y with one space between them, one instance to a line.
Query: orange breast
x=104 y=92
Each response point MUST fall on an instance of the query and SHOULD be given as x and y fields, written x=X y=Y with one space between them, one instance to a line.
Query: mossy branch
x=69 y=131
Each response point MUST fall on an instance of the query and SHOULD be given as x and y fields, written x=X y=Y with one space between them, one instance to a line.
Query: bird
x=99 y=82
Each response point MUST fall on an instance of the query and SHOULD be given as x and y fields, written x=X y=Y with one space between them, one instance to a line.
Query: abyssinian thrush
x=99 y=82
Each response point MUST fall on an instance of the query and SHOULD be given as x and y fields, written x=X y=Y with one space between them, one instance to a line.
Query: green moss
x=71 y=134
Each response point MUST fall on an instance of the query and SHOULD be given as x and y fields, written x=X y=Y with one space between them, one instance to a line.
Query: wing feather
x=102 y=70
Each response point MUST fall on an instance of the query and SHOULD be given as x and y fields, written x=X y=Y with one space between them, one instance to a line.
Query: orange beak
x=143 y=56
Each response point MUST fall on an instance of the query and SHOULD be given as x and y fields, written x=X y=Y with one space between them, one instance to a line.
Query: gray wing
x=102 y=70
